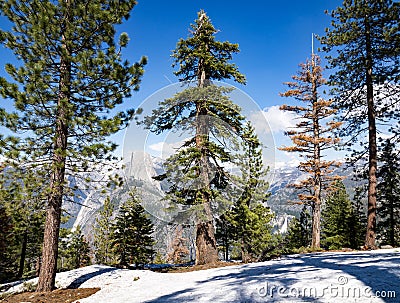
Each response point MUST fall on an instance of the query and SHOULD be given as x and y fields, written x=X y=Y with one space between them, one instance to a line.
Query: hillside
x=139 y=170
x=369 y=276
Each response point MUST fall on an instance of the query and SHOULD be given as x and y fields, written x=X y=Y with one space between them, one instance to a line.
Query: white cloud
x=165 y=149
x=278 y=120
x=290 y=160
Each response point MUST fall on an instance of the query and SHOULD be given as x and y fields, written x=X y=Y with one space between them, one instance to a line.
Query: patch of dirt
x=56 y=296
x=194 y=267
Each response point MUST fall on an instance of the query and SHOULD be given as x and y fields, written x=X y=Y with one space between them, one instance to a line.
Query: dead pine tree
x=310 y=138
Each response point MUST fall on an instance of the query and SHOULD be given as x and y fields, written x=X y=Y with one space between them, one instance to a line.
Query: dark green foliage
x=185 y=168
x=365 y=41
x=102 y=234
x=305 y=226
x=66 y=89
x=196 y=171
x=74 y=250
x=353 y=24
x=225 y=235
x=294 y=236
x=247 y=224
x=298 y=235
x=359 y=219
x=259 y=239
x=388 y=195
x=202 y=53
x=131 y=239
x=98 y=78
x=6 y=238
x=22 y=203
x=337 y=218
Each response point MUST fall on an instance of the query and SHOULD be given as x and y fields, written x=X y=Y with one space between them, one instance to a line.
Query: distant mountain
x=282 y=196
x=139 y=172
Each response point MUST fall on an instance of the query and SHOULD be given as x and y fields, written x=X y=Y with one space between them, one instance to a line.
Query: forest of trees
x=67 y=95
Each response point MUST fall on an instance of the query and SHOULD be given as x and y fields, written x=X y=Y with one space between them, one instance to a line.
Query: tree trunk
x=48 y=268
x=392 y=221
x=52 y=227
x=226 y=248
x=316 y=226
x=37 y=266
x=372 y=165
x=206 y=247
x=316 y=219
x=23 y=255
x=206 y=244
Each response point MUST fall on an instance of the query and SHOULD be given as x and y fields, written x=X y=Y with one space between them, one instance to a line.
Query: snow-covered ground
x=372 y=276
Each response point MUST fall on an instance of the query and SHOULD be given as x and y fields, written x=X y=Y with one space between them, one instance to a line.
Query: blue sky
x=273 y=36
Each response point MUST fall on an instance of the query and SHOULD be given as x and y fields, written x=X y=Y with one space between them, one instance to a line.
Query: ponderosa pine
x=69 y=80
x=364 y=38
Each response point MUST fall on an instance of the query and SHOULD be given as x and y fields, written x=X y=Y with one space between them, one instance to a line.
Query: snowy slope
x=320 y=277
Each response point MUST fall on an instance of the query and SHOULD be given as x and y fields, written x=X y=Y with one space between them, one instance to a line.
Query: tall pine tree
x=131 y=238
x=66 y=87
x=311 y=138
x=196 y=171
x=364 y=39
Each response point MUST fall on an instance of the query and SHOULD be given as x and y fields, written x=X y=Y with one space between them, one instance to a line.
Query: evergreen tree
x=299 y=231
x=23 y=201
x=225 y=234
x=132 y=239
x=364 y=38
x=261 y=238
x=196 y=170
x=337 y=218
x=6 y=252
x=66 y=87
x=74 y=249
x=311 y=138
x=62 y=258
x=305 y=226
x=388 y=195
x=102 y=234
x=249 y=217
x=359 y=223
x=293 y=238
